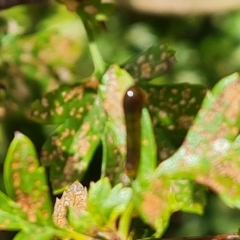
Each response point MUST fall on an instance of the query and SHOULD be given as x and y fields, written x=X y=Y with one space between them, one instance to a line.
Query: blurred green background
x=44 y=45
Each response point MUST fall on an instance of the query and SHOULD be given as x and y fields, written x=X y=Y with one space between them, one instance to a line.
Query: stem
x=75 y=235
x=230 y=236
x=99 y=64
x=125 y=222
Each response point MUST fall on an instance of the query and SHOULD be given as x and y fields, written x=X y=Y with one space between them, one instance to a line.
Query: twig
x=231 y=236
x=4 y=4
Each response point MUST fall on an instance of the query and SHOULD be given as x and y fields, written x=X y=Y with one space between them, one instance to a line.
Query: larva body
x=133 y=103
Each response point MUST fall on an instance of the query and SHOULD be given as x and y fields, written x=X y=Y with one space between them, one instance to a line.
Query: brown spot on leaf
x=16 y=165
x=92 y=83
x=76 y=92
x=223 y=177
x=16 y=179
x=71 y=5
x=91 y=10
x=59 y=110
x=212 y=127
x=145 y=70
x=151 y=206
x=28 y=205
x=113 y=101
x=155 y=201
x=70 y=167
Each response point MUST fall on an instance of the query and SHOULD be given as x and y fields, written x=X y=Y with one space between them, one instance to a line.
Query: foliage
x=89 y=113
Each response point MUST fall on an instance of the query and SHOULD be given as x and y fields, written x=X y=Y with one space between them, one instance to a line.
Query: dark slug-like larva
x=133 y=102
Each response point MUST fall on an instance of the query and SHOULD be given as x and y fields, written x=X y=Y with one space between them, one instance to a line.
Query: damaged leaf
x=210 y=152
x=76 y=197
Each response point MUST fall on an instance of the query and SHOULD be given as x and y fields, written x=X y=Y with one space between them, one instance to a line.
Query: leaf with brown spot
x=173 y=108
x=95 y=12
x=69 y=150
x=113 y=163
x=114 y=85
x=25 y=180
x=29 y=208
x=152 y=63
x=38 y=61
x=157 y=199
x=11 y=215
x=68 y=101
x=12 y=218
x=210 y=152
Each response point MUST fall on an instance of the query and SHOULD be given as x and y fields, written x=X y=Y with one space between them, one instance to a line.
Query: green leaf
x=45 y=57
x=155 y=61
x=173 y=108
x=112 y=160
x=104 y=205
x=11 y=215
x=26 y=184
x=156 y=199
x=115 y=82
x=125 y=221
x=106 y=202
x=38 y=234
x=210 y=152
x=165 y=148
x=25 y=180
x=148 y=159
x=70 y=149
x=68 y=101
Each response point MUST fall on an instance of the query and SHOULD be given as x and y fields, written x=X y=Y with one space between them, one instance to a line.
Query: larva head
x=134 y=99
